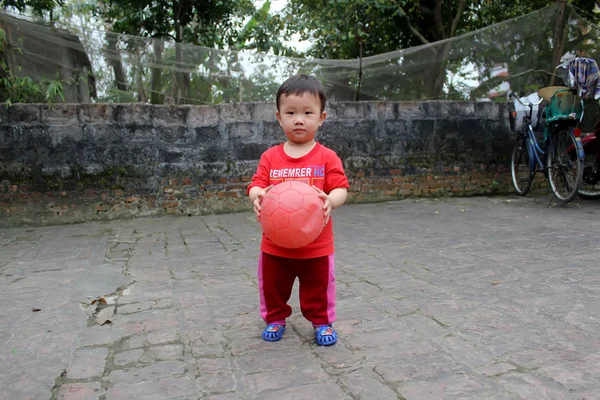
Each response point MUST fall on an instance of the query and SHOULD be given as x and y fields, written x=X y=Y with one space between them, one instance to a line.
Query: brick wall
x=76 y=163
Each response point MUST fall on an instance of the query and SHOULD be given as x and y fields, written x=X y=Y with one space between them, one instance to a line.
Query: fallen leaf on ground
x=101 y=300
x=495 y=283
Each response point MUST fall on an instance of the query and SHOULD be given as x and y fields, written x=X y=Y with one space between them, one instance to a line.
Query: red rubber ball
x=292 y=214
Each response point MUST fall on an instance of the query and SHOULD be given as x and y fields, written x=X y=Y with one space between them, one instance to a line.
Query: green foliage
x=492 y=12
x=383 y=26
x=341 y=29
x=344 y=28
x=263 y=32
x=18 y=89
x=114 y=95
x=210 y=23
x=36 y=7
x=337 y=28
x=54 y=89
x=529 y=60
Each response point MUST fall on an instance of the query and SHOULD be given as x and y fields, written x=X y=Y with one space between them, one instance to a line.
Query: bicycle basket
x=547 y=92
x=519 y=112
x=562 y=104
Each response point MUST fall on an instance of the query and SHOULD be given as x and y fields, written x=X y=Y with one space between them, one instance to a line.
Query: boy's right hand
x=259 y=197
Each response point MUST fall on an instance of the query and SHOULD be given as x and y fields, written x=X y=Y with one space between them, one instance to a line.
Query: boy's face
x=300 y=116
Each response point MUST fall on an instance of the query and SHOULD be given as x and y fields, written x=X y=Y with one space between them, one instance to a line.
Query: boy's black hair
x=300 y=84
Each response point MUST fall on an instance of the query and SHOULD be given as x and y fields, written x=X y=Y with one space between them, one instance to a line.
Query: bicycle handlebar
x=526 y=104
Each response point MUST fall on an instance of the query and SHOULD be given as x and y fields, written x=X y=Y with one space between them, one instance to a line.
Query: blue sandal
x=325 y=335
x=273 y=332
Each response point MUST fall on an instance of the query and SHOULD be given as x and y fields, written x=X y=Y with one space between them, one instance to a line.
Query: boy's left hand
x=326 y=203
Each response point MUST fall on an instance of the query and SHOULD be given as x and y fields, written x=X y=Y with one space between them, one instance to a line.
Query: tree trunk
x=156 y=95
x=138 y=73
x=558 y=42
x=114 y=59
x=113 y=56
x=435 y=88
x=360 y=53
x=186 y=84
x=439 y=76
x=212 y=71
x=226 y=84
x=177 y=86
x=182 y=78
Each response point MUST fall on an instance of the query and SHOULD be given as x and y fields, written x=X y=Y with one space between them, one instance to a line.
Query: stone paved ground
x=479 y=298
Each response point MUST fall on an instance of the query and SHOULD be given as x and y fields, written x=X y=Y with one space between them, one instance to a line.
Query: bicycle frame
x=534 y=151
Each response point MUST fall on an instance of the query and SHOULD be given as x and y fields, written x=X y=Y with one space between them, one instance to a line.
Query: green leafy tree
x=39 y=8
x=529 y=59
x=491 y=12
x=264 y=33
x=210 y=23
x=350 y=29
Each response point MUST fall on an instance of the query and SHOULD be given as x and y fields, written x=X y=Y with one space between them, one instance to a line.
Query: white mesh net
x=519 y=54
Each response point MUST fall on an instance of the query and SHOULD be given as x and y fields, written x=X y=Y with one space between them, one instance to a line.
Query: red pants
x=276 y=276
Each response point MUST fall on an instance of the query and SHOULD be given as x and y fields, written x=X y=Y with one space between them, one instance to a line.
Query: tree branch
x=461 y=9
x=495 y=81
x=159 y=35
x=424 y=10
x=412 y=28
x=437 y=19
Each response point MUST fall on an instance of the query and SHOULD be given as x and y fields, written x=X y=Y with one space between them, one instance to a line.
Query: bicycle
x=562 y=168
x=590 y=183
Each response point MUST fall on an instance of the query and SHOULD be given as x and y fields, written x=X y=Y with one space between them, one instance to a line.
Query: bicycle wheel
x=565 y=169
x=520 y=166
x=590 y=183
